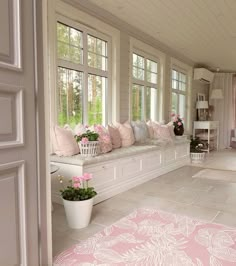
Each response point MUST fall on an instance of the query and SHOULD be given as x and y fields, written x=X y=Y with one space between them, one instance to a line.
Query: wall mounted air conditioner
x=203 y=75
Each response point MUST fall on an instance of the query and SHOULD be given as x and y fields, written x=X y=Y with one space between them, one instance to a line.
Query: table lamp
x=202 y=105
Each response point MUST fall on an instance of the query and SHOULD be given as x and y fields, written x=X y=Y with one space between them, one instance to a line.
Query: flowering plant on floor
x=196 y=145
x=79 y=189
x=87 y=136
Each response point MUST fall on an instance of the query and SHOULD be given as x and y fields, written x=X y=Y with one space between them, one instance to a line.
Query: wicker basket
x=89 y=149
x=197 y=157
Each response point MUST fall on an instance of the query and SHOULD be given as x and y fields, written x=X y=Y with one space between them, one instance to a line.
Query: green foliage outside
x=71 y=82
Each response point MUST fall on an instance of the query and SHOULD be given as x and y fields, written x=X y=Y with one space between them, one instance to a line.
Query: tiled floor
x=176 y=192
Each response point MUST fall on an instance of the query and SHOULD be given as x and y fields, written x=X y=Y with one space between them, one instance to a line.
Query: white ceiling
x=202 y=30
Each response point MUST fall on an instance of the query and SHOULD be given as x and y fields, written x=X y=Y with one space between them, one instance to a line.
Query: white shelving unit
x=210 y=131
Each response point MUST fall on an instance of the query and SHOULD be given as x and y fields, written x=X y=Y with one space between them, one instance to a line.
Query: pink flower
x=87 y=176
x=99 y=128
x=76 y=178
x=177 y=116
x=175 y=119
x=173 y=114
x=179 y=124
x=86 y=126
x=76 y=185
x=84 y=140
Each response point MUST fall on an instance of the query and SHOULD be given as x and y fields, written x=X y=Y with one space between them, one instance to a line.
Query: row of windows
x=83 y=75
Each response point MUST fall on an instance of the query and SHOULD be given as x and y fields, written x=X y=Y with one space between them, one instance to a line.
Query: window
x=179 y=92
x=82 y=76
x=144 y=87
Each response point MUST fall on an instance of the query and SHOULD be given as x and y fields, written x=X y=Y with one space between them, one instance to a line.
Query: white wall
x=127 y=31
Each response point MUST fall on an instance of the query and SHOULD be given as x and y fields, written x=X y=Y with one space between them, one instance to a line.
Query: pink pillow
x=162 y=132
x=115 y=137
x=126 y=134
x=63 y=141
x=150 y=125
x=104 y=138
x=155 y=128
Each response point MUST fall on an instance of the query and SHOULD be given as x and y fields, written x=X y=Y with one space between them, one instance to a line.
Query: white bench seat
x=123 y=168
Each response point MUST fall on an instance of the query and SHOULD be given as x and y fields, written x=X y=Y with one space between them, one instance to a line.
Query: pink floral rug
x=153 y=237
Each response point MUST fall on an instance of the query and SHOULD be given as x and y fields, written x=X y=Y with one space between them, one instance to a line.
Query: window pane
x=152 y=77
x=63 y=50
x=91 y=44
x=138 y=61
x=135 y=60
x=63 y=33
x=69 y=44
x=174 y=103
x=182 y=77
x=75 y=54
x=96 y=99
x=76 y=38
x=69 y=97
x=137 y=102
x=182 y=105
x=182 y=86
x=138 y=73
x=151 y=103
x=174 y=74
x=151 y=66
x=174 y=84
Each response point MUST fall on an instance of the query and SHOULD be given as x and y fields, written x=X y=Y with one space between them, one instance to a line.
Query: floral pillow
x=104 y=138
x=63 y=142
x=126 y=134
x=115 y=136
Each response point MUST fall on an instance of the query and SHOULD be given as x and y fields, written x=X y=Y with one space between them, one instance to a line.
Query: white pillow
x=63 y=141
x=140 y=131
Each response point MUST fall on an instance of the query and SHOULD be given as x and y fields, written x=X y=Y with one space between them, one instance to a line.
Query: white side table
x=208 y=125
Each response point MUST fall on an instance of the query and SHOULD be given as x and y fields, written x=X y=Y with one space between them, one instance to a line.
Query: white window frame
x=187 y=70
x=71 y=16
x=85 y=68
x=148 y=52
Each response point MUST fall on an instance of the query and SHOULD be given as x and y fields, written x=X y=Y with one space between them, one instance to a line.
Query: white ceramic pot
x=78 y=213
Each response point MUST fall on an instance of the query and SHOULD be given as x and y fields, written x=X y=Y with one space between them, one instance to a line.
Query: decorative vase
x=89 y=149
x=179 y=131
x=78 y=213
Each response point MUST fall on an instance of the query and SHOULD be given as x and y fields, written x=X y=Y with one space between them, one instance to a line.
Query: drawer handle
x=103 y=167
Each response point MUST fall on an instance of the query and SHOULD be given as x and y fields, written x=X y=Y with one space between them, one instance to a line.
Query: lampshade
x=202 y=105
x=216 y=94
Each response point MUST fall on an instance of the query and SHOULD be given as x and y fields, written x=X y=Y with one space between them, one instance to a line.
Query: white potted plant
x=196 y=151
x=88 y=143
x=78 y=200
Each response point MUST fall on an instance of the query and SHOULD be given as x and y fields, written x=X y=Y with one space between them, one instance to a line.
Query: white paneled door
x=19 y=230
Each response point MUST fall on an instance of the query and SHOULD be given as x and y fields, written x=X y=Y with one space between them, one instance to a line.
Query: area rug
x=229 y=176
x=153 y=237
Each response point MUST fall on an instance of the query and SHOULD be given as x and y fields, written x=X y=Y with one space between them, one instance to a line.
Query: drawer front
x=103 y=176
x=131 y=167
x=169 y=155
x=151 y=162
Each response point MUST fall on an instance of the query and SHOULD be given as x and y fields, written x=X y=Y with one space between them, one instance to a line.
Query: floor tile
x=175 y=192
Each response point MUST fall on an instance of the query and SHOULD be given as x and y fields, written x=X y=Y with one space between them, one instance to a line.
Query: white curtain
x=224 y=109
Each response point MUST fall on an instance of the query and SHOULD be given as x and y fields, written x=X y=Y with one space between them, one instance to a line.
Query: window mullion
x=85 y=83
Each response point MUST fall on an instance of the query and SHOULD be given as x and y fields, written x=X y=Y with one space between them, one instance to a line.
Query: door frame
x=43 y=131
